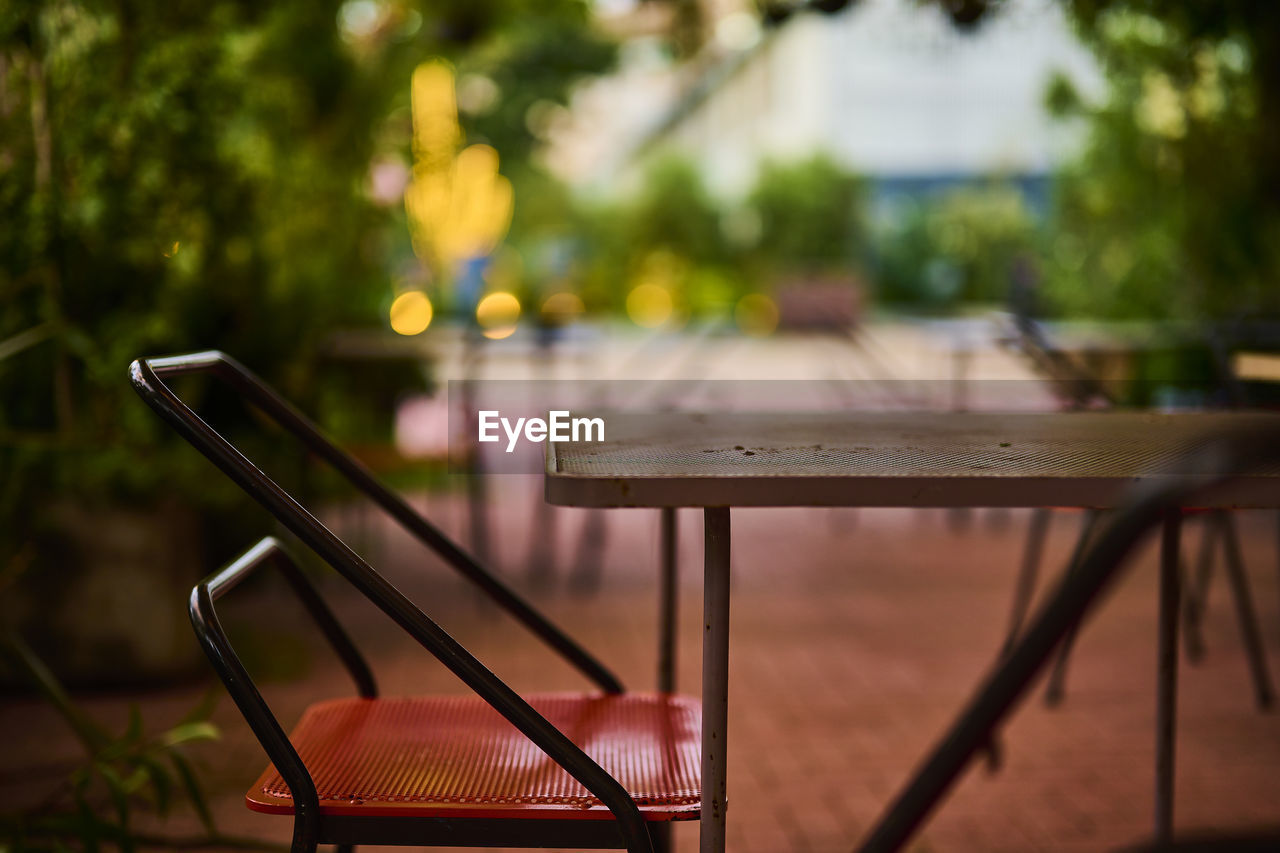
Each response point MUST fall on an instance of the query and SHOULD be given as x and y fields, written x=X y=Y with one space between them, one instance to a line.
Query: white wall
x=888 y=88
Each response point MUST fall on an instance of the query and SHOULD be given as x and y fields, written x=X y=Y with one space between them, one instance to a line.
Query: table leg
x=1167 y=675
x=667 y=603
x=715 y=677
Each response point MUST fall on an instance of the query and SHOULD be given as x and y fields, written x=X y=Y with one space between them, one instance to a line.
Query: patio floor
x=855 y=637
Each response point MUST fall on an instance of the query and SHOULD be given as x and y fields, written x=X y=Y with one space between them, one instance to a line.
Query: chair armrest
x=253 y=707
x=271 y=550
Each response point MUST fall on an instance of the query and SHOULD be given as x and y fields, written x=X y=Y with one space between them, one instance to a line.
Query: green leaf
x=87 y=826
x=28 y=665
x=194 y=793
x=117 y=788
x=161 y=783
x=134 y=731
x=204 y=708
x=186 y=732
x=133 y=784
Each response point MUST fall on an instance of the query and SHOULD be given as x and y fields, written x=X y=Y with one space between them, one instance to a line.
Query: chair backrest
x=1078 y=388
x=145 y=374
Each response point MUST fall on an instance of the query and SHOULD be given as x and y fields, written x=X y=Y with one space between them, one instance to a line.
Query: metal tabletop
x=887 y=459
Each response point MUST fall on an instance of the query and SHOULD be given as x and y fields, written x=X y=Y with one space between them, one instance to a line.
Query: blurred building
x=889 y=88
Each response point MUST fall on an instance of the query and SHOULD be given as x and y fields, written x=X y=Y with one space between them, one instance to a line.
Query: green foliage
x=666 y=233
x=801 y=217
x=120 y=778
x=538 y=51
x=811 y=215
x=965 y=245
x=178 y=180
x=1173 y=212
x=673 y=212
x=181 y=176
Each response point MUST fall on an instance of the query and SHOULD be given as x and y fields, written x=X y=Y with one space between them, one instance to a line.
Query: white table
x=851 y=459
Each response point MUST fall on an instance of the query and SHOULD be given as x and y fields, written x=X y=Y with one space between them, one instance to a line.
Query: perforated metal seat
x=454 y=756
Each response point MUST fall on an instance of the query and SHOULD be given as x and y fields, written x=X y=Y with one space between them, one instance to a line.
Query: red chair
x=603 y=769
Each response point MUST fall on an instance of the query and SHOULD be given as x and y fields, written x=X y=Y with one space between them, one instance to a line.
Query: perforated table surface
x=886 y=459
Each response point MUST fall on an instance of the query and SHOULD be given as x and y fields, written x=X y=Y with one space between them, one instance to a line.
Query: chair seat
x=456 y=757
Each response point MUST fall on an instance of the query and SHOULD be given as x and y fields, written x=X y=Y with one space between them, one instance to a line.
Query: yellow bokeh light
x=435 y=115
x=411 y=313
x=756 y=314
x=649 y=305
x=461 y=212
x=562 y=307
x=497 y=315
x=457 y=203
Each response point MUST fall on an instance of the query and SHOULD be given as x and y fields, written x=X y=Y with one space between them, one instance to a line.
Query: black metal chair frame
x=1081 y=390
x=629 y=830
x=1158 y=501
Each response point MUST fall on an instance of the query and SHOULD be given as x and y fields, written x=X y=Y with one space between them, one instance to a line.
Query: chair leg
x=1167 y=676
x=1023 y=591
x=1196 y=592
x=660 y=836
x=998 y=693
x=1056 y=689
x=960 y=519
x=305 y=835
x=542 y=547
x=587 y=564
x=1250 y=635
x=1026 y=585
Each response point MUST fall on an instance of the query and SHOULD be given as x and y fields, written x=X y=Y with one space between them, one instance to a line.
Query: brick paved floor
x=855 y=637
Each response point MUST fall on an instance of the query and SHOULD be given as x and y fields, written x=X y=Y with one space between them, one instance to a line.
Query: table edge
x=1248 y=492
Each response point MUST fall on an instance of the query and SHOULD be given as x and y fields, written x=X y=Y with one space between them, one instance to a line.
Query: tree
x=811 y=215
x=1173 y=211
x=968 y=244
x=178 y=176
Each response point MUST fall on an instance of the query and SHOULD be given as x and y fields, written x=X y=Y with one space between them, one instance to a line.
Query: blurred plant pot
x=103 y=601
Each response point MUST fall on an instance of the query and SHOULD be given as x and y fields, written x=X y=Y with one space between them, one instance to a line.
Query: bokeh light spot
x=411 y=313
x=562 y=308
x=649 y=305
x=497 y=315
